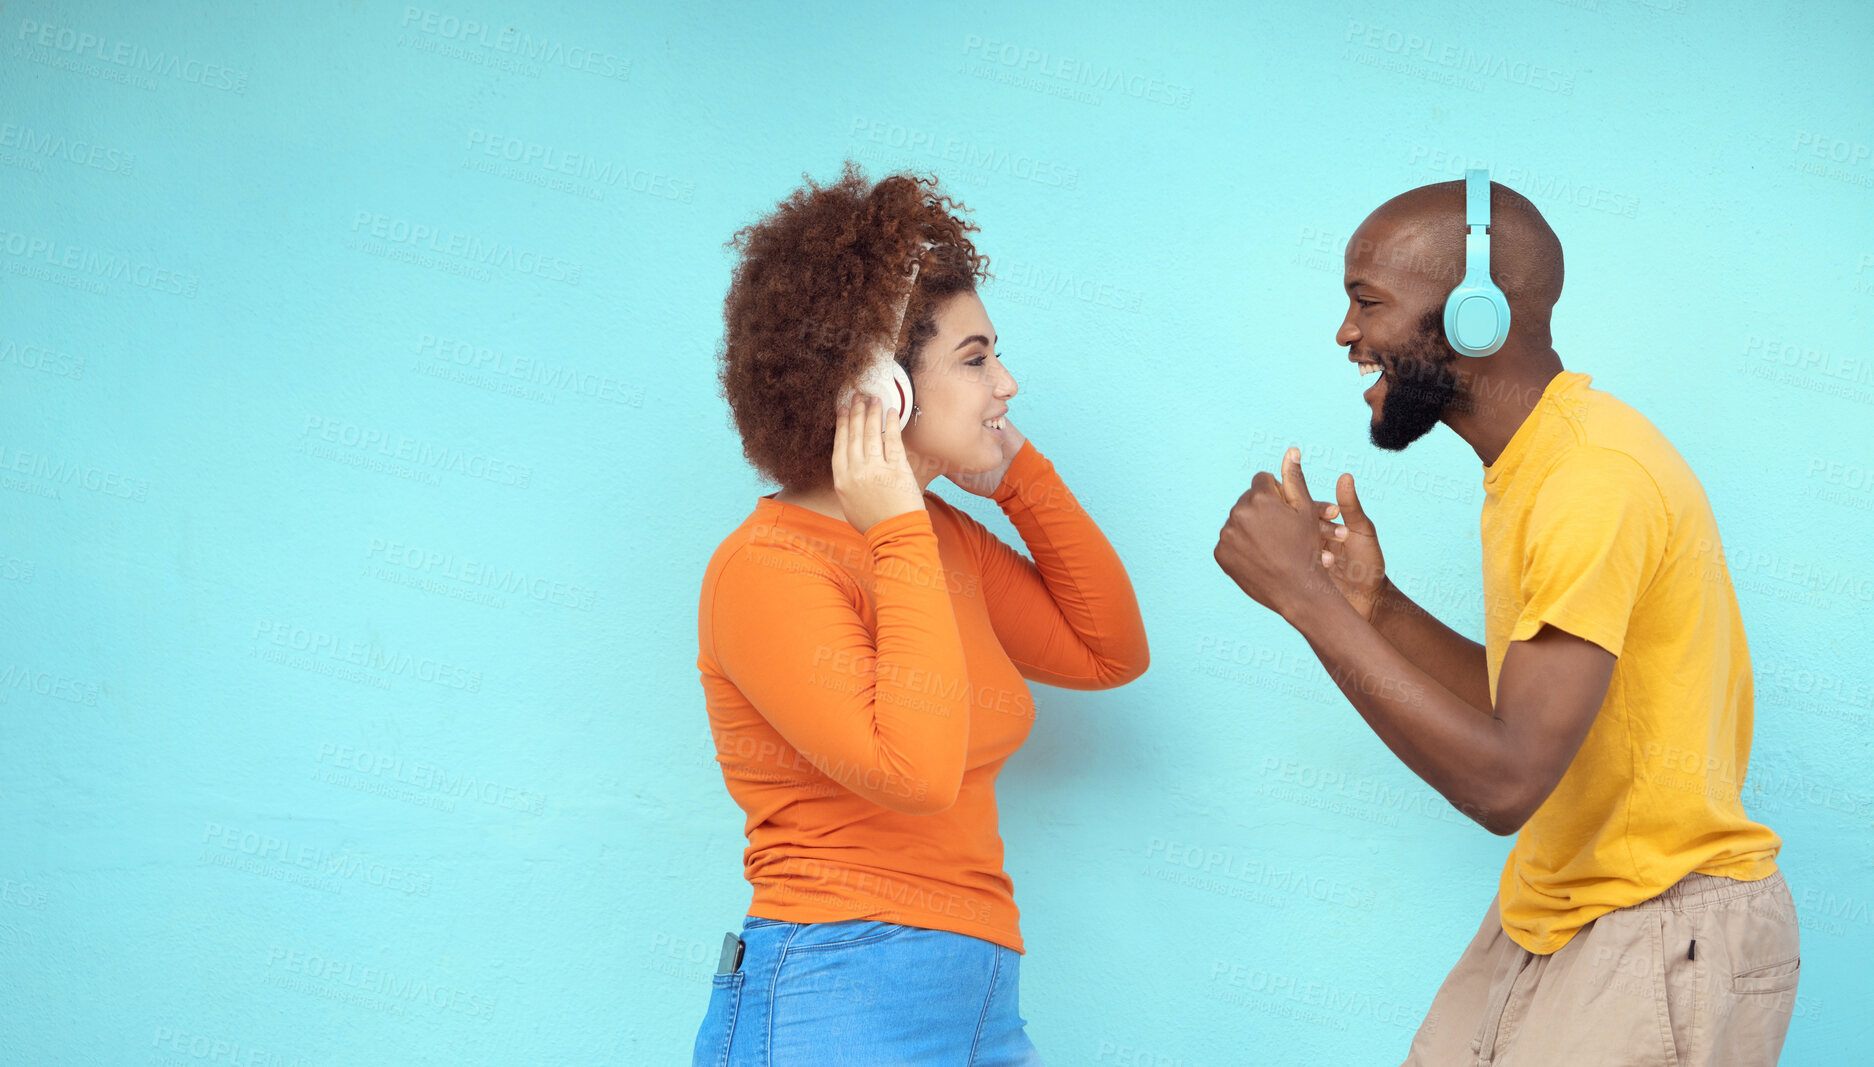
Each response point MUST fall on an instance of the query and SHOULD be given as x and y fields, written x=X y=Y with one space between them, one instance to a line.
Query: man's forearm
x=1456 y=661
x=1439 y=734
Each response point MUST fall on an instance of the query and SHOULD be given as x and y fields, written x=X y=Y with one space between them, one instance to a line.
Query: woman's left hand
x=987 y=482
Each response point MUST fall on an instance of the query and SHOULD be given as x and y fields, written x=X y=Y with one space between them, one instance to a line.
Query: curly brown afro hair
x=816 y=291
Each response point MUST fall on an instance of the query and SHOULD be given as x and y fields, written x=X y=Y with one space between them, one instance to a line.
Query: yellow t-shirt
x=1593 y=524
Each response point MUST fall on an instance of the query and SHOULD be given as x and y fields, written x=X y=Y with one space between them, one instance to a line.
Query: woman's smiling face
x=961 y=391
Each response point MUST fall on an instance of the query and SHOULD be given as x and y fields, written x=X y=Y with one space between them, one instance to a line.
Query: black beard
x=1420 y=386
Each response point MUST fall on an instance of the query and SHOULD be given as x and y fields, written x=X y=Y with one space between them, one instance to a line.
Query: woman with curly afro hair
x=865 y=647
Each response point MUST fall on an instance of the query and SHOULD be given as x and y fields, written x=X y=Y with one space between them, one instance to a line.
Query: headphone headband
x=904 y=303
x=1477 y=198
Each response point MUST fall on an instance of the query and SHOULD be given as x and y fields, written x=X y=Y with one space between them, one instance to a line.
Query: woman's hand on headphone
x=870 y=473
x=985 y=483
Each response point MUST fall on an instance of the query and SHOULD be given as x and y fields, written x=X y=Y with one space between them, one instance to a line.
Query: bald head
x=1402 y=264
x=1414 y=244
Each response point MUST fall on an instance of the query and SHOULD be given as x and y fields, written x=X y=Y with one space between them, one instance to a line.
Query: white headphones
x=884 y=377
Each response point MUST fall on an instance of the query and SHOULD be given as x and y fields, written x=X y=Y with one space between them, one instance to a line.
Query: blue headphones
x=1477 y=316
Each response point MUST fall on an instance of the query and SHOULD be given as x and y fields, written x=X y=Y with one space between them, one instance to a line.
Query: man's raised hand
x=1350 y=549
x=1271 y=546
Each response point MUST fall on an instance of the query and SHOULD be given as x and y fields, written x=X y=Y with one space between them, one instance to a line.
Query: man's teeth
x=1368 y=368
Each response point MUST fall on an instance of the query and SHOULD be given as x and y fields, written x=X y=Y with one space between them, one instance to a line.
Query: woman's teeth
x=994 y=424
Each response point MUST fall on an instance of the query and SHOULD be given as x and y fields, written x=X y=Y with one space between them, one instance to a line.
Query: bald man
x=1605 y=720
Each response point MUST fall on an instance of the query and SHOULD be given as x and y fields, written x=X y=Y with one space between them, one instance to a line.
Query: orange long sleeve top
x=864 y=690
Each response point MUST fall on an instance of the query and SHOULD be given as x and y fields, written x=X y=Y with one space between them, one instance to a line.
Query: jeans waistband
x=1697 y=890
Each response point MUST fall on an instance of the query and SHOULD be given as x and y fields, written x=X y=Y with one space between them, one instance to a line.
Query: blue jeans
x=864 y=993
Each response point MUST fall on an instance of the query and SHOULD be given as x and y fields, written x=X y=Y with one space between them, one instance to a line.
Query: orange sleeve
x=886 y=717
x=1069 y=618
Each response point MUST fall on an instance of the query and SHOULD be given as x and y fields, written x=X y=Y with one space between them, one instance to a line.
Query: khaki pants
x=1702 y=974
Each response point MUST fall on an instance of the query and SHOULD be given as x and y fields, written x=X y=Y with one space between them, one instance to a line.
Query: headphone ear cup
x=885 y=379
x=902 y=381
x=1477 y=319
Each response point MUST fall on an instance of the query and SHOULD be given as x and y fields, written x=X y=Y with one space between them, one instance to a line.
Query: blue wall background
x=362 y=454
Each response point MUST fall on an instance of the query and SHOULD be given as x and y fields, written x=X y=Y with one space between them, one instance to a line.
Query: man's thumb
x=1351 y=512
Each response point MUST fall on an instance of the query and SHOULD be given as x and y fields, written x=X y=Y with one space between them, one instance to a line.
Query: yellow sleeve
x=1597 y=531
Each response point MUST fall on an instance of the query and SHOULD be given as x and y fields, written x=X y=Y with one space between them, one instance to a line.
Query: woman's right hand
x=871 y=475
